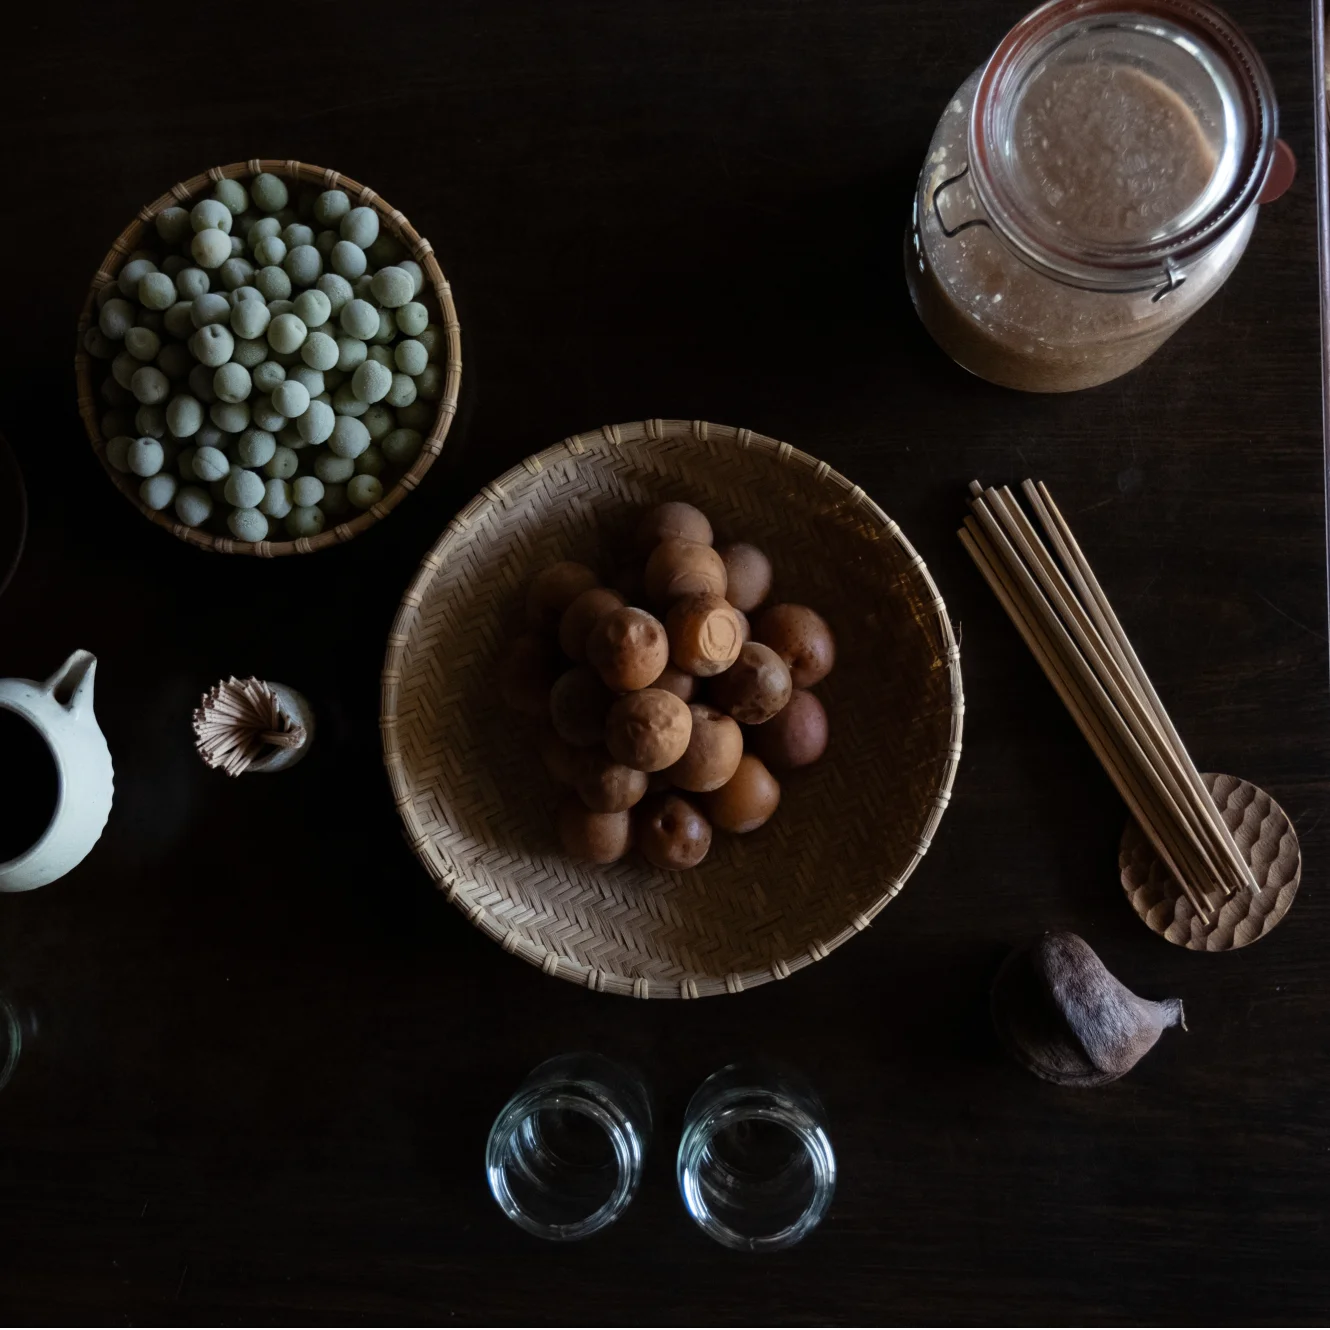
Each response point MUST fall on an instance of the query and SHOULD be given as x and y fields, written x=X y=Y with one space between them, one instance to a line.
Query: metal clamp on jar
x=1090 y=188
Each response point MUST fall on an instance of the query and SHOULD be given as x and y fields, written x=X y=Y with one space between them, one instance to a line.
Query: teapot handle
x=71 y=684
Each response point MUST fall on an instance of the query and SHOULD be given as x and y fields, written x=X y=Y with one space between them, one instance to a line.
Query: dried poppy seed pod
x=1063 y=1016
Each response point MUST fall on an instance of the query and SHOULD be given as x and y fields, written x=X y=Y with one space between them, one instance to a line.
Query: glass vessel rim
x=619 y=1130
x=734 y=1106
x=1135 y=265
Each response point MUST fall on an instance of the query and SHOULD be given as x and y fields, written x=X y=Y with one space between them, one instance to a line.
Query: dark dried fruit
x=1063 y=1016
x=672 y=833
x=748 y=575
x=672 y=521
x=579 y=703
x=801 y=638
x=553 y=589
x=755 y=687
x=795 y=736
x=595 y=838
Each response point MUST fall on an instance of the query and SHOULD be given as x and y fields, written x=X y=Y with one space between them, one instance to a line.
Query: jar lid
x=1111 y=144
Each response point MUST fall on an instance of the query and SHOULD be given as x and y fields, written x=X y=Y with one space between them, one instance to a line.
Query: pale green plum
x=193 y=505
x=255 y=448
x=410 y=357
x=282 y=465
x=276 y=499
x=232 y=383
x=233 y=194
x=146 y=457
x=244 y=489
x=156 y=291
x=402 y=447
x=332 y=469
x=304 y=522
x=364 y=491
x=412 y=319
x=269 y=192
x=401 y=392
x=211 y=248
x=248 y=524
x=349 y=438
x=117 y=453
x=184 y=416
x=211 y=214
x=157 y=491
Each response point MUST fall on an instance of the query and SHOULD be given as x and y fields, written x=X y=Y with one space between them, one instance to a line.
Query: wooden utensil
x=1062 y=613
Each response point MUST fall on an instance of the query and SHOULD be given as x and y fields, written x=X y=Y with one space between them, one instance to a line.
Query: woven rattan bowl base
x=478 y=806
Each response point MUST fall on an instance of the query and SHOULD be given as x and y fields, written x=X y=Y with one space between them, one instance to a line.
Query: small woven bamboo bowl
x=139 y=233
x=850 y=830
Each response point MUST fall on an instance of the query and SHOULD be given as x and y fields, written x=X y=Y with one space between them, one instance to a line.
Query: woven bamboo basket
x=850 y=830
x=140 y=233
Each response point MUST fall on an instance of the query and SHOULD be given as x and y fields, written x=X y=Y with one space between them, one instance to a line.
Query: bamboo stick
x=1123 y=689
x=1082 y=713
x=1066 y=621
x=1093 y=701
x=1098 y=604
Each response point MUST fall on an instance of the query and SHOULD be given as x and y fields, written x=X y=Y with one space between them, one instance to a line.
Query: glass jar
x=564 y=1157
x=1090 y=188
x=756 y=1169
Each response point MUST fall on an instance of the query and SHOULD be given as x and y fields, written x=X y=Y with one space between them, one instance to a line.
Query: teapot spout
x=71 y=684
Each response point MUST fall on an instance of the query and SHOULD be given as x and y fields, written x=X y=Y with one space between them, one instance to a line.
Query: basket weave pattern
x=140 y=233
x=478 y=807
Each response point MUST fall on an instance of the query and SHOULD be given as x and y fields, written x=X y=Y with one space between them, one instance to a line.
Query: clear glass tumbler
x=756 y=1169
x=564 y=1156
x=11 y=1040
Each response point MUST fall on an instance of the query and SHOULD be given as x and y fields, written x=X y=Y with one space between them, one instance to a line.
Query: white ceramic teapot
x=60 y=711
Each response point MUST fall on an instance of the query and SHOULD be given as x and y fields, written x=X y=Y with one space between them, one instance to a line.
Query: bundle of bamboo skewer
x=238 y=721
x=1061 y=612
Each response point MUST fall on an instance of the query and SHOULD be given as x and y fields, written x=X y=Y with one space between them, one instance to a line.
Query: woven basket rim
x=421 y=251
x=459 y=890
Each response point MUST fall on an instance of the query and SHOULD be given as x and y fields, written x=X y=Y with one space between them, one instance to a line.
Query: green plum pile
x=273 y=368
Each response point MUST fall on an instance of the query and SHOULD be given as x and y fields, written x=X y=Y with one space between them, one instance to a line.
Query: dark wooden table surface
x=270 y=1052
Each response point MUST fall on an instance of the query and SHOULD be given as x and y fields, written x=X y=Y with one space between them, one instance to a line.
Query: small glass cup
x=11 y=1039
x=564 y=1157
x=756 y=1169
